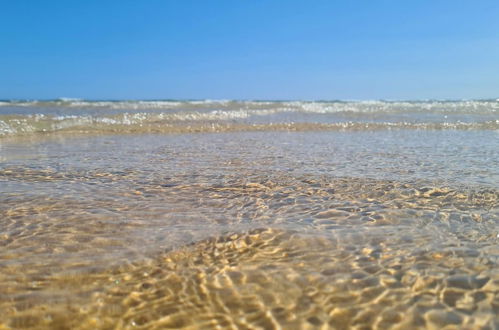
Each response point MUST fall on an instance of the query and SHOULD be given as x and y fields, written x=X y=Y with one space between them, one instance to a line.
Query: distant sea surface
x=249 y=214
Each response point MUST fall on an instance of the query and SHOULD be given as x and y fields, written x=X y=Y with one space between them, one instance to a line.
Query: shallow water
x=316 y=229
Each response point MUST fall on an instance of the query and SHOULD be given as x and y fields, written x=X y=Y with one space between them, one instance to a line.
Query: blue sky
x=252 y=49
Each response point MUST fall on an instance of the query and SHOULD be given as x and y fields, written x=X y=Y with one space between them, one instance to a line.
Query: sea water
x=249 y=214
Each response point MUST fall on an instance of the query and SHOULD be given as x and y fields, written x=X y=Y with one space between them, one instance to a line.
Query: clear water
x=264 y=222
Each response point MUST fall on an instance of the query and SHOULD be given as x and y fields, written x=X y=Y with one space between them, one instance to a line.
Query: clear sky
x=249 y=49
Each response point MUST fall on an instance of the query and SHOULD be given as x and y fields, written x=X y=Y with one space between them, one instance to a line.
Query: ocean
x=249 y=214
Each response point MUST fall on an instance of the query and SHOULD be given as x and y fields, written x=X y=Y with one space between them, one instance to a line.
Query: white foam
x=242 y=109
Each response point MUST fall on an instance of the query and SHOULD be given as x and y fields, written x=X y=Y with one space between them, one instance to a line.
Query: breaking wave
x=21 y=117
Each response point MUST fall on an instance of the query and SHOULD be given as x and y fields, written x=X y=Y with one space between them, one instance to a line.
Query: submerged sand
x=384 y=229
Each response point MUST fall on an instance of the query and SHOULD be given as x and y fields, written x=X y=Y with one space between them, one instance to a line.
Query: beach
x=249 y=214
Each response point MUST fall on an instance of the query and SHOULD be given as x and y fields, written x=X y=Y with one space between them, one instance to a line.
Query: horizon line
x=76 y=99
